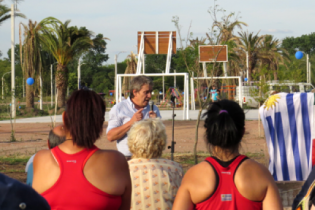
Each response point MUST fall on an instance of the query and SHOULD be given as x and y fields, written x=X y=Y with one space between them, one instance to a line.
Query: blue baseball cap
x=15 y=195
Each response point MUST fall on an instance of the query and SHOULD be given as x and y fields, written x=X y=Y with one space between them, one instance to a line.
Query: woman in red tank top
x=227 y=180
x=76 y=175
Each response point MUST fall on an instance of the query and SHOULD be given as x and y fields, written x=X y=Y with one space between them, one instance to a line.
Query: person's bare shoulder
x=252 y=180
x=42 y=156
x=195 y=172
x=200 y=181
x=112 y=154
x=254 y=169
x=111 y=158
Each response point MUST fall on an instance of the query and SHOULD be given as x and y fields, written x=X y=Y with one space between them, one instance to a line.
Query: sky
x=119 y=20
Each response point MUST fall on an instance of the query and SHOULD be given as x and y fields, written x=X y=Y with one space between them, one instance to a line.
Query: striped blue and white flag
x=288 y=124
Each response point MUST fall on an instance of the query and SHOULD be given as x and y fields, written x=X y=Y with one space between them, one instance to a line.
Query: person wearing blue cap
x=15 y=195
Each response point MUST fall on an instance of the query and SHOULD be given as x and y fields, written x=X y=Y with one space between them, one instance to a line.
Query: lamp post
x=116 y=57
x=308 y=69
x=299 y=55
x=174 y=79
x=247 y=65
x=79 y=73
x=40 y=91
x=163 y=82
x=51 y=85
x=163 y=86
x=13 y=110
x=310 y=72
x=23 y=86
x=3 y=83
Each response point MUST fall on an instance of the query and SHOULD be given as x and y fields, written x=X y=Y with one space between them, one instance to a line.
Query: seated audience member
x=123 y=97
x=154 y=180
x=227 y=180
x=56 y=137
x=76 y=175
x=14 y=195
x=305 y=200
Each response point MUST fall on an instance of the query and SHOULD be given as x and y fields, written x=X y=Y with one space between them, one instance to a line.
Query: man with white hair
x=135 y=108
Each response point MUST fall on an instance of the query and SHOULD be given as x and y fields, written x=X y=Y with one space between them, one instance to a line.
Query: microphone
x=151 y=103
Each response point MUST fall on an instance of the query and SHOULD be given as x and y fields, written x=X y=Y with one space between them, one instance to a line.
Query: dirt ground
x=32 y=137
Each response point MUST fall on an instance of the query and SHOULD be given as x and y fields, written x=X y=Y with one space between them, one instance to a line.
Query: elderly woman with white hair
x=154 y=180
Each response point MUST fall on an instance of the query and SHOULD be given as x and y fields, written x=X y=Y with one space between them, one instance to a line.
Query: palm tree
x=271 y=54
x=226 y=36
x=5 y=13
x=196 y=42
x=131 y=69
x=31 y=58
x=251 y=43
x=226 y=27
x=65 y=43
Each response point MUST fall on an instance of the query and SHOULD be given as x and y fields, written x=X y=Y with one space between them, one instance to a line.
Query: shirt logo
x=228 y=173
x=226 y=197
x=71 y=161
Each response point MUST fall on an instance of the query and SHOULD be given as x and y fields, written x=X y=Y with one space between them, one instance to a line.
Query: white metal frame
x=141 y=52
x=192 y=88
x=169 y=54
x=186 y=88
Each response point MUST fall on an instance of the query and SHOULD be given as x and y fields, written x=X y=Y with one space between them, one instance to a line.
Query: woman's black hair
x=224 y=123
x=84 y=117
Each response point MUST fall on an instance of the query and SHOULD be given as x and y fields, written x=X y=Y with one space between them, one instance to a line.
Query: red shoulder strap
x=92 y=151
x=234 y=164
x=55 y=153
x=237 y=162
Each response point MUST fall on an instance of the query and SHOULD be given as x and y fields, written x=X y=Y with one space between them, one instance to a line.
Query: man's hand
x=137 y=116
x=152 y=114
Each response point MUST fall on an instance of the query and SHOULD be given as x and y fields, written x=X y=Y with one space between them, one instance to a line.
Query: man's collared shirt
x=120 y=114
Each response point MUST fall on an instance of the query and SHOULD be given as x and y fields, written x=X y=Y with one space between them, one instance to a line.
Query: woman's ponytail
x=224 y=123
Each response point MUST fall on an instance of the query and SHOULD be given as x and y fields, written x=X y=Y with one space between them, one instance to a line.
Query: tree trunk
x=29 y=96
x=197 y=123
x=249 y=79
x=250 y=68
x=196 y=134
x=125 y=85
x=61 y=76
x=275 y=75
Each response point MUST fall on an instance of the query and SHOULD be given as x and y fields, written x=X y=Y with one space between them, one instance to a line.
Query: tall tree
x=31 y=59
x=250 y=42
x=131 y=69
x=96 y=56
x=271 y=54
x=288 y=43
x=64 y=43
x=225 y=28
x=93 y=60
x=223 y=33
x=305 y=43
